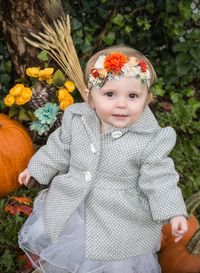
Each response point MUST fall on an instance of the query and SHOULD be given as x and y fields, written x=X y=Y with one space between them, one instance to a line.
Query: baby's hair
x=129 y=52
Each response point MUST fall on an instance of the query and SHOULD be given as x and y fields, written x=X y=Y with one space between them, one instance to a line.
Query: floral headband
x=115 y=64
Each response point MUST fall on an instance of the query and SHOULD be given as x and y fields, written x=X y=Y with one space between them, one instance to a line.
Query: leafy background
x=168 y=33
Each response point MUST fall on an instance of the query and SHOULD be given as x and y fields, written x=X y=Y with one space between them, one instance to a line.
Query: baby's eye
x=109 y=94
x=132 y=96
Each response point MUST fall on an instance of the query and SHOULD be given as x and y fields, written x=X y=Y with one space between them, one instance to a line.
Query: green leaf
x=195 y=17
x=189 y=92
x=79 y=33
x=144 y=23
x=76 y=24
x=13 y=111
x=118 y=20
x=7 y=66
x=23 y=115
x=31 y=115
x=174 y=97
x=109 y=38
x=43 y=56
x=195 y=53
x=170 y=6
x=2 y=105
x=58 y=78
x=183 y=70
x=5 y=78
x=7 y=261
x=185 y=9
x=158 y=88
x=128 y=29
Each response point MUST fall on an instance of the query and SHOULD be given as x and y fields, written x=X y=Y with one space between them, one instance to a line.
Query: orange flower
x=14 y=209
x=21 y=199
x=114 y=62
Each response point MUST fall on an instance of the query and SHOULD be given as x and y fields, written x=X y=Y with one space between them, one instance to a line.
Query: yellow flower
x=33 y=72
x=70 y=86
x=26 y=93
x=17 y=89
x=45 y=74
x=20 y=100
x=62 y=94
x=68 y=101
x=9 y=100
x=49 y=81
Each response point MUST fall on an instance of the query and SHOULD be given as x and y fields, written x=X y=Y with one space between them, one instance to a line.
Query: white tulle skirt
x=67 y=254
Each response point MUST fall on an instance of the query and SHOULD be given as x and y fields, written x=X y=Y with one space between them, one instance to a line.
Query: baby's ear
x=86 y=94
x=89 y=98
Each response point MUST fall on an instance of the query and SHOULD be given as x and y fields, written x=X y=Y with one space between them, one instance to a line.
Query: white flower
x=148 y=75
x=142 y=75
x=136 y=70
x=95 y=81
x=110 y=76
x=127 y=70
x=100 y=62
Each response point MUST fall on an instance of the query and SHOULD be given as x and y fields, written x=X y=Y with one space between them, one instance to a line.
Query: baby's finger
x=178 y=238
x=21 y=178
x=27 y=180
x=174 y=228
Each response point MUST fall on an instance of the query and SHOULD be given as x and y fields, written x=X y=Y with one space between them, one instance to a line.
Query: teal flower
x=46 y=117
x=47 y=114
x=40 y=128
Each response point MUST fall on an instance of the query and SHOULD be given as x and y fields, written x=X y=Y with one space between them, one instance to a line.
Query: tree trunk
x=18 y=19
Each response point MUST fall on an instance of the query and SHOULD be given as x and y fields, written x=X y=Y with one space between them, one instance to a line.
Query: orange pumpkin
x=16 y=149
x=180 y=258
x=191 y=203
x=183 y=256
x=168 y=239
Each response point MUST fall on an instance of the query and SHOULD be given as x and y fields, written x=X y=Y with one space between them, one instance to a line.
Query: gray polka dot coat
x=125 y=177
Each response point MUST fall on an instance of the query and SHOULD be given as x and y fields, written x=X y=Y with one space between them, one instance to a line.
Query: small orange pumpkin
x=191 y=203
x=168 y=239
x=16 y=149
x=183 y=256
x=180 y=258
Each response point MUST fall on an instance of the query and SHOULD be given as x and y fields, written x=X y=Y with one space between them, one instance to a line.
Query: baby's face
x=119 y=103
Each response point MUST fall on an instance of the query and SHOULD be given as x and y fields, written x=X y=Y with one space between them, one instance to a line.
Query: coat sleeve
x=53 y=157
x=158 y=177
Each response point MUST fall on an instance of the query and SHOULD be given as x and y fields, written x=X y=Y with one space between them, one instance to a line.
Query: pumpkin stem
x=194 y=244
x=192 y=203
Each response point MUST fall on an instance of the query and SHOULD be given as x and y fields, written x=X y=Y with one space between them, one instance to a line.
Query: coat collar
x=146 y=124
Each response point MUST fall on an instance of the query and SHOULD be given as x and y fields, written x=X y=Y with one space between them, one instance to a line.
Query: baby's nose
x=121 y=103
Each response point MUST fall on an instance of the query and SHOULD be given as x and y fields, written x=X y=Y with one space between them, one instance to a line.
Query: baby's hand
x=24 y=177
x=179 y=226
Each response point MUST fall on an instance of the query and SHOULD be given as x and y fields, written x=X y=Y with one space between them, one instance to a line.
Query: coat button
x=88 y=176
x=116 y=134
x=92 y=148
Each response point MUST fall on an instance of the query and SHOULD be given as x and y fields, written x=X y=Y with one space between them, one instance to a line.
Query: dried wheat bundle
x=57 y=41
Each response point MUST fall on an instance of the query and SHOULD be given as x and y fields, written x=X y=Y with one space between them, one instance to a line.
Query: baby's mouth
x=120 y=115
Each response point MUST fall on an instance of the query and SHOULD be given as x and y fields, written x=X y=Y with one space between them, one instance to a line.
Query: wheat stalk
x=57 y=41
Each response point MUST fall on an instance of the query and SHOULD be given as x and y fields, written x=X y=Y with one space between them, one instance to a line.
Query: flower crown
x=115 y=64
